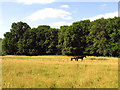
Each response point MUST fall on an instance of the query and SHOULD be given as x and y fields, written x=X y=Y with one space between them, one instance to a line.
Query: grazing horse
x=78 y=57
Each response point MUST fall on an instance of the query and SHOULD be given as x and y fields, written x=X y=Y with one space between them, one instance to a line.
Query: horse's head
x=84 y=56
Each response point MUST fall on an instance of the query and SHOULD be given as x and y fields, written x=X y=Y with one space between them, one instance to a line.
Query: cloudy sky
x=53 y=12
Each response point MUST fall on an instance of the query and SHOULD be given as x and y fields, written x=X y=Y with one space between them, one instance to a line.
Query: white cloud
x=64 y=6
x=39 y=1
x=58 y=24
x=28 y=2
x=68 y=18
x=49 y=13
x=87 y=0
x=35 y=1
x=103 y=5
x=106 y=15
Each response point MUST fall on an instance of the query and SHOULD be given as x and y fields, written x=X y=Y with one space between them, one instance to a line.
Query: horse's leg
x=81 y=60
x=77 y=59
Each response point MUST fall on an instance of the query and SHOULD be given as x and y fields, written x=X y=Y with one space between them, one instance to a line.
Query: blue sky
x=55 y=14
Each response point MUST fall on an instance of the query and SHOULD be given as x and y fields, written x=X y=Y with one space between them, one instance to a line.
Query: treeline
x=99 y=38
x=0 y=46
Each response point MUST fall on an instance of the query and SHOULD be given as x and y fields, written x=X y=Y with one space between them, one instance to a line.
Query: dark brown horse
x=78 y=57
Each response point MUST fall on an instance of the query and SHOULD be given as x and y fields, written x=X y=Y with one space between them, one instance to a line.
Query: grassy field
x=59 y=72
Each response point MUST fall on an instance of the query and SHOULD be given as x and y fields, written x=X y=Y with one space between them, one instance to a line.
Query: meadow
x=59 y=72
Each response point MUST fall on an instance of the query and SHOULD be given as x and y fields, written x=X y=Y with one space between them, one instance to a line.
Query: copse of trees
x=74 y=38
x=99 y=38
x=104 y=37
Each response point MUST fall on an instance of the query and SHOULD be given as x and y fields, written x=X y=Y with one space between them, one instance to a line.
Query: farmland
x=59 y=72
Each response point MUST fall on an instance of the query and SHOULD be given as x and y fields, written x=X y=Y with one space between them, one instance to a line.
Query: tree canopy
x=99 y=38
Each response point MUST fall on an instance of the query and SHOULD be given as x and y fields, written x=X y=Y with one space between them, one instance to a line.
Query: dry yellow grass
x=59 y=72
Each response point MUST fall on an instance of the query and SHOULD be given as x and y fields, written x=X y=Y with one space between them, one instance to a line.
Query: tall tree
x=11 y=38
x=27 y=43
x=0 y=46
x=113 y=28
x=51 y=41
x=61 y=35
x=99 y=35
x=41 y=39
x=75 y=38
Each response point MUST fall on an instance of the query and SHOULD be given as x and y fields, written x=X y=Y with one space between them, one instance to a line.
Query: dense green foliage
x=0 y=46
x=100 y=37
